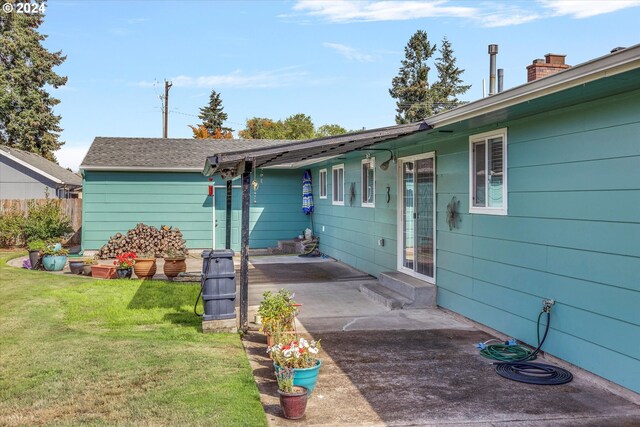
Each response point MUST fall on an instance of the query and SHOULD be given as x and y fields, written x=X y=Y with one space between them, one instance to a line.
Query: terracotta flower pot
x=145 y=268
x=293 y=404
x=174 y=266
x=103 y=271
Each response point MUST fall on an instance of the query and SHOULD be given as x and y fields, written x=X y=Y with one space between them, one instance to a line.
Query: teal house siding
x=572 y=231
x=114 y=202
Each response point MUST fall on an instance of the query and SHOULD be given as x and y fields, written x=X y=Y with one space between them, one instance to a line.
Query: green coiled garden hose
x=506 y=352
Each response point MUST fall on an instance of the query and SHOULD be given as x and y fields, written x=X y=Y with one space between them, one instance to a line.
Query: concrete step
x=383 y=295
x=420 y=293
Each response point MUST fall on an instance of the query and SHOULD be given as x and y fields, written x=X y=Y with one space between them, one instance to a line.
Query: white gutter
x=606 y=66
x=33 y=168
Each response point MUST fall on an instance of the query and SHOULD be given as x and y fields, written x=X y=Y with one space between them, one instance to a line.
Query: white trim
x=320 y=186
x=400 y=218
x=372 y=164
x=33 y=168
x=333 y=195
x=483 y=137
x=138 y=169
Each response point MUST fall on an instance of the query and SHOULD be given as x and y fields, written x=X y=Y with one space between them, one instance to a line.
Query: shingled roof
x=40 y=165
x=166 y=154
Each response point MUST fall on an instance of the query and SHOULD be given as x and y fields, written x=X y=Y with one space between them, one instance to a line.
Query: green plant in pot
x=54 y=257
x=36 y=247
x=86 y=265
x=293 y=398
x=277 y=315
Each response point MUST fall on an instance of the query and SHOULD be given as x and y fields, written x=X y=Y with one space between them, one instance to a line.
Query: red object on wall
x=211 y=187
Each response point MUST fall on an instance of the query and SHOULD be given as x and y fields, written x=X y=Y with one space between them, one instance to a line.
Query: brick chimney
x=545 y=67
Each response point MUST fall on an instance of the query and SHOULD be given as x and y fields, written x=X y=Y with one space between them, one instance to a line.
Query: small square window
x=488 y=173
x=322 y=181
x=338 y=184
x=369 y=182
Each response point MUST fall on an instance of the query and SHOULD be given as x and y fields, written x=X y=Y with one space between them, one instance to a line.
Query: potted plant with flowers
x=124 y=264
x=293 y=398
x=302 y=357
x=277 y=315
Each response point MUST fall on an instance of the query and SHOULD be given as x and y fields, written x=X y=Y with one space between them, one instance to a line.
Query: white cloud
x=586 y=8
x=261 y=79
x=71 y=157
x=351 y=11
x=348 y=52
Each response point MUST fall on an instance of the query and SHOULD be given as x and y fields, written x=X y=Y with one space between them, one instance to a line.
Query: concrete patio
x=411 y=367
x=406 y=367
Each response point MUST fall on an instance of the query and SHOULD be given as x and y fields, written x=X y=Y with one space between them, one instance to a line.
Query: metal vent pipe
x=493 y=51
x=500 y=79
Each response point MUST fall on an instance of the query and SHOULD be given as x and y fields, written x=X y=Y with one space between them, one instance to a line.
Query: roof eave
x=31 y=167
x=606 y=66
x=138 y=169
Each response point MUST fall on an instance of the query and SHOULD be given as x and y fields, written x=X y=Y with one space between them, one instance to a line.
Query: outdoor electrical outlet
x=381 y=242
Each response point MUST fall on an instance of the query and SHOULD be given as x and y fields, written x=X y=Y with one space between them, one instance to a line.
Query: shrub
x=46 y=221
x=12 y=224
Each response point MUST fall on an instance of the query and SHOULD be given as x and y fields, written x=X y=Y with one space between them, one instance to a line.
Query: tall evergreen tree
x=410 y=87
x=213 y=116
x=27 y=120
x=449 y=83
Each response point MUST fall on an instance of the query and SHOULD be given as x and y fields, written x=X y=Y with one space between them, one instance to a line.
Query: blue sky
x=331 y=60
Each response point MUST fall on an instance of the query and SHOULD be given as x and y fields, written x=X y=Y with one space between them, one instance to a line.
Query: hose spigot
x=546 y=305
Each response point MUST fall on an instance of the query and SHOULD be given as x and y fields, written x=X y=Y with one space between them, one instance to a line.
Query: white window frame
x=333 y=185
x=371 y=163
x=323 y=186
x=480 y=138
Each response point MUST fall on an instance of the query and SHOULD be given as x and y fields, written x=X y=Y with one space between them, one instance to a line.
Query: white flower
x=304 y=343
x=313 y=350
x=286 y=353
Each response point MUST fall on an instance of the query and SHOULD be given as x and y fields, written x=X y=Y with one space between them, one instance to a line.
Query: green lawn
x=75 y=351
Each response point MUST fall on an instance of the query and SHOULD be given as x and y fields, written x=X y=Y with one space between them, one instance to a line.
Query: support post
x=244 y=245
x=228 y=217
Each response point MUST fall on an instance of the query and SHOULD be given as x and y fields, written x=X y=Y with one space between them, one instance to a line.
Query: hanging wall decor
x=352 y=193
x=453 y=216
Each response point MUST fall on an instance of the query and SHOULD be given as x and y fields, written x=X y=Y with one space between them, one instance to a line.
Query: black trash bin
x=219 y=285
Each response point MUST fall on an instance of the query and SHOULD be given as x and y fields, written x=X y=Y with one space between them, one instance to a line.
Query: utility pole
x=167 y=86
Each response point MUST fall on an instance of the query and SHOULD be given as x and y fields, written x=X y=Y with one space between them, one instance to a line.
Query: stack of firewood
x=144 y=239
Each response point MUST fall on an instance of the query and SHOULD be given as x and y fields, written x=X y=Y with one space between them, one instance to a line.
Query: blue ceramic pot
x=305 y=377
x=54 y=262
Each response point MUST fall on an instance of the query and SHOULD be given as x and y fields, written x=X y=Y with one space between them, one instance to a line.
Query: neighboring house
x=547 y=175
x=25 y=175
x=159 y=181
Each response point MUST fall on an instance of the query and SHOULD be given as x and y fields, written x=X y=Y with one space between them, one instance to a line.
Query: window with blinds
x=488 y=178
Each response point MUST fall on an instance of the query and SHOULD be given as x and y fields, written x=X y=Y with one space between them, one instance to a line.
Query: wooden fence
x=70 y=207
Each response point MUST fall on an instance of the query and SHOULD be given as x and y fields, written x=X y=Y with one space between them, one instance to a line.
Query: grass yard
x=75 y=350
